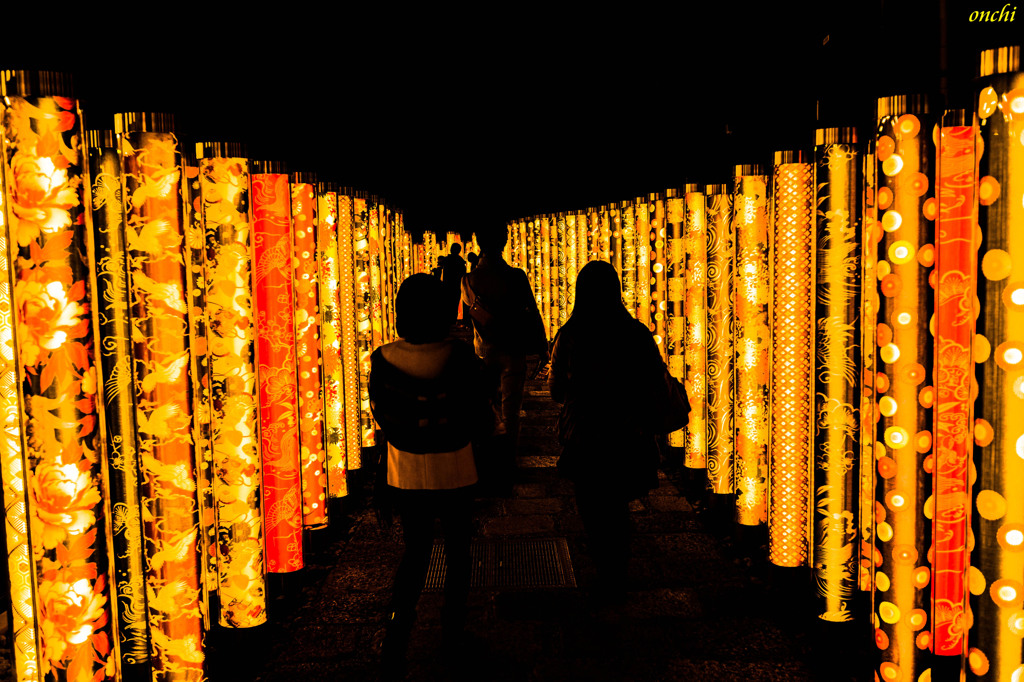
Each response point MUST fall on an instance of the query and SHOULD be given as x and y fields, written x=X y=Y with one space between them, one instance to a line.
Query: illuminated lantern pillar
x=676 y=296
x=789 y=463
x=642 y=286
x=837 y=367
x=615 y=239
x=376 y=311
x=349 y=325
x=51 y=443
x=871 y=235
x=695 y=311
x=545 y=276
x=238 y=473
x=363 y=310
x=306 y=273
x=524 y=257
x=429 y=245
x=752 y=343
x=20 y=567
x=275 y=325
x=659 y=269
x=330 y=340
x=721 y=434
x=389 y=271
x=905 y=157
x=582 y=248
x=559 y=247
x=554 y=250
x=998 y=516
x=159 y=262
x=570 y=263
x=627 y=228
x=195 y=236
x=119 y=400
x=607 y=226
x=956 y=289
x=534 y=269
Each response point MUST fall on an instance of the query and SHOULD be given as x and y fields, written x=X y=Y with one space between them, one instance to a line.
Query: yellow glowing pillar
x=871 y=235
x=582 y=250
x=659 y=281
x=998 y=604
x=752 y=343
x=676 y=296
x=20 y=566
x=334 y=389
x=695 y=312
x=789 y=464
x=238 y=472
x=608 y=225
x=523 y=250
x=570 y=262
x=559 y=246
x=349 y=325
x=721 y=434
x=308 y=330
x=905 y=154
x=119 y=398
x=627 y=239
x=642 y=286
x=837 y=368
x=364 y=312
x=159 y=260
x=545 y=277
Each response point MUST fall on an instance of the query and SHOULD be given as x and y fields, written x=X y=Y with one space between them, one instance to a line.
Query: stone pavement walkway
x=701 y=604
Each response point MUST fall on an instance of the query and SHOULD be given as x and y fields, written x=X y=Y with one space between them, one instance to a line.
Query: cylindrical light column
x=752 y=343
x=560 y=246
x=954 y=210
x=871 y=235
x=363 y=307
x=789 y=465
x=51 y=445
x=627 y=228
x=309 y=365
x=642 y=222
x=837 y=177
x=995 y=651
x=721 y=433
x=675 y=233
x=237 y=465
x=159 y=262
x=349 y=325
x=571 y=260
x=330 y=338
x=905 y=157
x=659 y=263
x=115 y=362
x=694 y=335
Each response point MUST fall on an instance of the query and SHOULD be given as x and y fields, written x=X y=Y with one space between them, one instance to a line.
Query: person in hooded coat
x=430 y=395
x=606 y=371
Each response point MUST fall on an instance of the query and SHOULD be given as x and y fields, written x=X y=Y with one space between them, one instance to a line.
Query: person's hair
x=492 y=240
x=456 y=249
x=423 y=313
x=598 y=292
x=472 y=257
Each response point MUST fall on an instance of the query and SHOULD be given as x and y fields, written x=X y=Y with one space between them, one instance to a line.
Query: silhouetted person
x=507 y=327
x=453 y=268
x=429 y=395
x=473 y=260
x=606 y=369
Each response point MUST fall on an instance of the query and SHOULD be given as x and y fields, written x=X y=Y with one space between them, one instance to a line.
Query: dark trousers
x=417 y=510
x=605 y=516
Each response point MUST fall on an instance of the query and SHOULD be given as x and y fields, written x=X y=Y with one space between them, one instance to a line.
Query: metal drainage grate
x=526 y=563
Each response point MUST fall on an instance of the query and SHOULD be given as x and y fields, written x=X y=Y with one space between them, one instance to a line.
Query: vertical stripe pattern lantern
x=676 y=292
x=694 y=336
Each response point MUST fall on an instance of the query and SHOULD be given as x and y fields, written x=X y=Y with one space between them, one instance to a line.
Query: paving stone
x=669 y=504
x=518 y=525
x=530 y=490
x=540 y=505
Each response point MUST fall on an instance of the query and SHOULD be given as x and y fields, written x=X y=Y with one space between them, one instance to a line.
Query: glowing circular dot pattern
x=996 y=265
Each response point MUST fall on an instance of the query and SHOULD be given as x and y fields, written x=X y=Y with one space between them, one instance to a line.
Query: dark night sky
x=470 y=118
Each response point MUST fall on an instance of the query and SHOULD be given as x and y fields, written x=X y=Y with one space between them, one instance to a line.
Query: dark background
x=470 y=117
